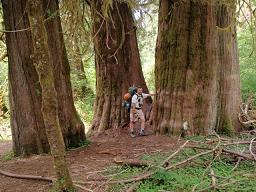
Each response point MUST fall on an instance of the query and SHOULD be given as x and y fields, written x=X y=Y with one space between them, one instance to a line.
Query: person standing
x=136 y=111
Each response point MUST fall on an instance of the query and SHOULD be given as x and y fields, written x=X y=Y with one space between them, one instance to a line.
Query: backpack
x=127 y=104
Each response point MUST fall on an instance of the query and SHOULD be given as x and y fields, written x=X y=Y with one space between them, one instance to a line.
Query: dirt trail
x=84 y=162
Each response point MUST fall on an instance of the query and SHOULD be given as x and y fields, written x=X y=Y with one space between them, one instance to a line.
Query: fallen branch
x=237 y=163
x=217 y=186
x=237 y=143
x=238 y=154
x=226 y=151
x=135 y=179
x=195 y=156
x=244 y=116
x=165 y=162
x=40 y=178
x=213 y=179
x=31 y=177
x=131 y=162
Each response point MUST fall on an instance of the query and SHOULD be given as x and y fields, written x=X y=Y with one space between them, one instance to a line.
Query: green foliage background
x=247 y=58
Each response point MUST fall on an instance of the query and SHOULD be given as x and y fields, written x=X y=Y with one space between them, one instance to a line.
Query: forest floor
x=206 y=163
x=84 y=162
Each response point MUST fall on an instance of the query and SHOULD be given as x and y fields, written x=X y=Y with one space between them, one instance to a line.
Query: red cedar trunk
x=117 y=63
x=70 y=122
x=188 y=69
x=28 y=131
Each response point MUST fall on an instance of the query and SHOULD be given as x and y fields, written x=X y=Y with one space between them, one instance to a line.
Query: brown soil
x=85 y=163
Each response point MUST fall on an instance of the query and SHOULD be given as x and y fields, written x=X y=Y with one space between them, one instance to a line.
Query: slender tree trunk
x=117 y=63
x=42 y=60
x=189 y=68
x=28 y=130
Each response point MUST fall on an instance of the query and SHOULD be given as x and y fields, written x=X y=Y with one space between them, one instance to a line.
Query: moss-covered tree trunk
x=28 y=132
x=189 y=68
x=42 y=60
x=117 y=62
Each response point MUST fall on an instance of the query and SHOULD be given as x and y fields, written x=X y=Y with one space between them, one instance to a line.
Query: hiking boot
x=132 y=134
x=142 y=133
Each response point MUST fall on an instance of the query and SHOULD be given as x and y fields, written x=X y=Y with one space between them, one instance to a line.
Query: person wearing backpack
x=136 y=111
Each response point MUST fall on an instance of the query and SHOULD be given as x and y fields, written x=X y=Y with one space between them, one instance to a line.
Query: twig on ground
x=237 y=163
x=83 y=188
x=251 y=150
x=131 y=162
x=218 y=176
x=165 y=162
x=213 y=179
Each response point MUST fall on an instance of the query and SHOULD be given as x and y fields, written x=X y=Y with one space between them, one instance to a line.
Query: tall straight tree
x=117 y=61
x=28 y=129
x=197 y=74
x=42 y=60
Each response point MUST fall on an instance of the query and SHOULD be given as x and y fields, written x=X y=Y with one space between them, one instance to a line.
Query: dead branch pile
x=247 y=115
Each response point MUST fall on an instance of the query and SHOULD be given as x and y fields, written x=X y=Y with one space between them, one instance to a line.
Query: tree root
x=31 y=177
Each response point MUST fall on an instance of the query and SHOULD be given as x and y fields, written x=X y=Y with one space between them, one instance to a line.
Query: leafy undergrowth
x=198 y=175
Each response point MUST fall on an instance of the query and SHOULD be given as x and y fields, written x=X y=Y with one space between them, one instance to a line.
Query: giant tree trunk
x=117 y=62
x=42 y=60
x=189 y=70
x=28 y=130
